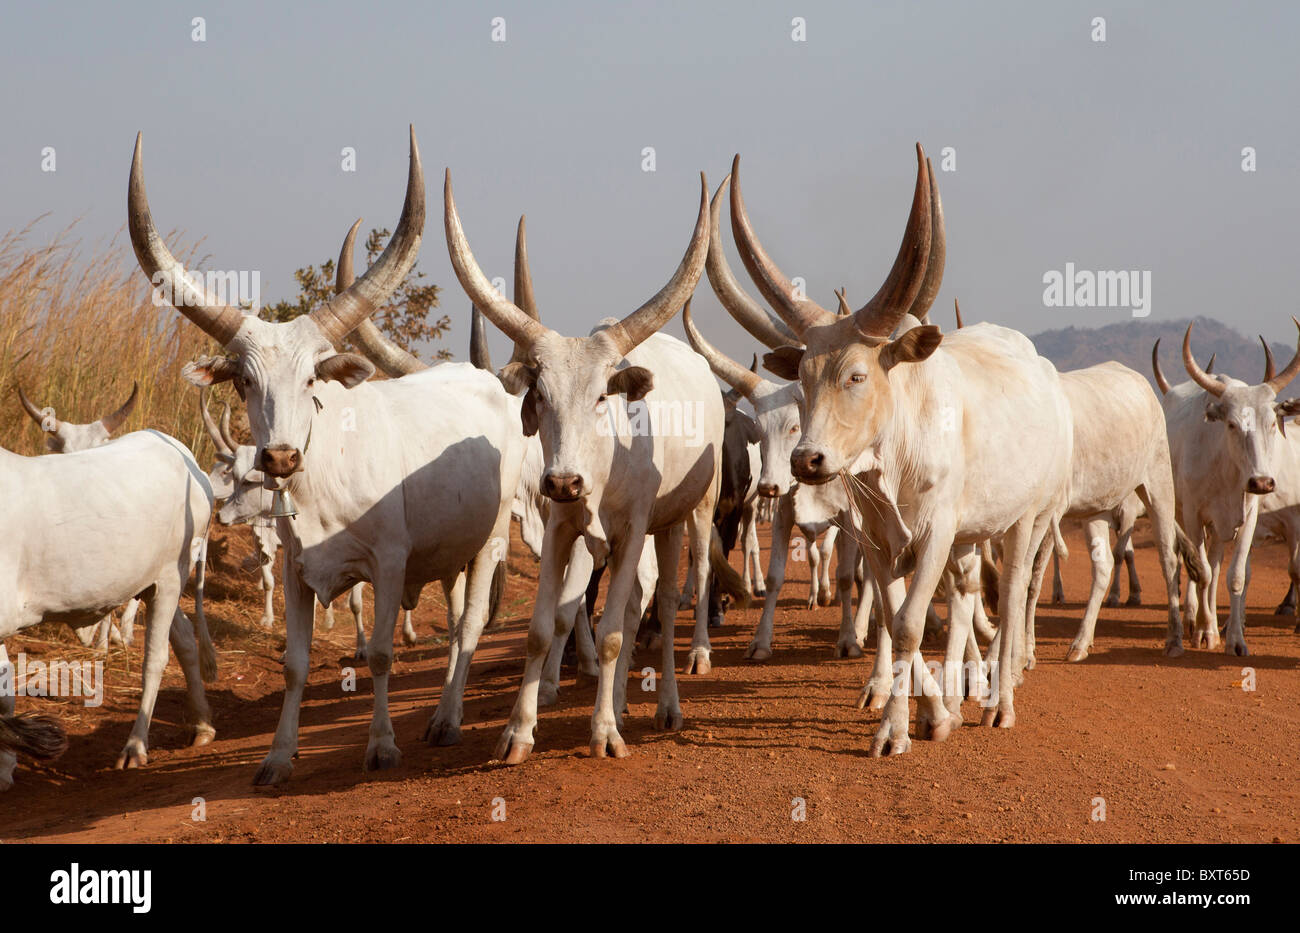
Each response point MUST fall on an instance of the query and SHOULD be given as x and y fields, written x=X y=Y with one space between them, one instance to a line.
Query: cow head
x=569 y=382
x=1251 y=415
x=846 y=360
x=235 y=477
x=279 y=368
x=64 y=437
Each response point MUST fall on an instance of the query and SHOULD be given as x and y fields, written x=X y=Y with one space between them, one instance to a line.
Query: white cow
x=241 y=486
x=612 y=481
x=83 y=533
x=1224 y=438
x=967 y=434
x=397 y=482
x=67 y=437
x=1120 y=447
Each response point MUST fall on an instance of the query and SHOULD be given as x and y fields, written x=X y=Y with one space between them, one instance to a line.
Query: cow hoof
x=382 y=754
x=409 y=638
x=716 y=621
x=547 y=693
x=133 y=756
x=937 y=731
x=873 y=696
x=518 y=754
x=849 y=649
x=1134 y=599
x=668 y=720
x=268 y=622
x=610 y=747
x=994 y=717
x=1236 y=648
x=1110 y=602
x=760 y=594
x=697 y=662
x=1031 y=662
x=1174 y=650
x=203 y=735
x=757 y=653
x=1077 y=653
x=884 y=742
x=1297 y=628
x=273 y=771
x=439 y=733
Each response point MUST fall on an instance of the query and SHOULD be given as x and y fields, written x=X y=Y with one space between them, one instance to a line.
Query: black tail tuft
x=37 y=736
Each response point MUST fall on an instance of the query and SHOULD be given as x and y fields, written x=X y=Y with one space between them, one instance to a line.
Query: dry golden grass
x=77 y=330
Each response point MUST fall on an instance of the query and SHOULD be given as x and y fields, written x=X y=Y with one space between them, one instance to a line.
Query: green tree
x=405 y=319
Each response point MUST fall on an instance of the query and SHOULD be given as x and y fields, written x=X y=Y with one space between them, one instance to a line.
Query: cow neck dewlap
x=912 y=433
x=336 y=487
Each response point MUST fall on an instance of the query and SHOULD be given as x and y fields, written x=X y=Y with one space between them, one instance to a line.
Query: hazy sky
x=1125 y=154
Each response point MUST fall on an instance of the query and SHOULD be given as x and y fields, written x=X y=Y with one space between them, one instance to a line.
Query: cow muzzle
x=1260 y=485
x=563 y=487
x=281 y=460
x=769 y=490
x=809 y=466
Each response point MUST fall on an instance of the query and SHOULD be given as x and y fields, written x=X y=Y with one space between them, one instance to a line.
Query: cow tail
x=37 y=736
x=1198 y=569
x=1062 y=551
x=989 y=576
x=727 y=578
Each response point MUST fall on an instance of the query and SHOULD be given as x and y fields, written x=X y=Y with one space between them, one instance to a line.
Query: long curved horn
x=1269 y=368
x=1209 y=366
x=1279 y=382
x=513 y=321
x=391 y=359
x=225 y=428
x=799 y=313
x=930 y=285
x=957 y=310
x=114 y=421
x=769 y=331
x=220 y=322
x=341 y=314
x=32 y=411
x=723 y=366
x=1161 y=381
x=214 y=435
x=879 y=316
x=656 y=312
x=479 y=354
x=1202 y=379
x=524 y=296
x=841 y=295
x=731 y=398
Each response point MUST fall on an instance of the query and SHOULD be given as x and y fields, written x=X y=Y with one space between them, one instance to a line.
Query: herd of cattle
x=950 y=460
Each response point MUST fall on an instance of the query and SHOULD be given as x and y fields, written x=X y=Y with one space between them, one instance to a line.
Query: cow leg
x=699 y=527
x=814 y=568
x=1288 y=604
x=1207 y=620
x=932 y=717
x=825 y=595
x=1045 y=549
x=624 y=555
x=127 y=625
x=299 y=615
x=852 y=638
x=516 y=742
x=760 y=647
x=755 y=552
x=688 y=591
x=571 y=612
x=207 y=654
x=1058 y=591
x=8 y=698
x=1018 y=546
x=1157 y=494
x=444 y=726
x=1103 y=565
x=647 y=581
x=268 y=606
x=1234 y=642
x=102 y=631
x=454 y=592
x=381 y=749
x=880 y=682
x=963 y=585
x=409 y=636
x=1295 y=579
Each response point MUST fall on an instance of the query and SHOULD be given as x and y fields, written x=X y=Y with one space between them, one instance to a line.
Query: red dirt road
x=1177 y=749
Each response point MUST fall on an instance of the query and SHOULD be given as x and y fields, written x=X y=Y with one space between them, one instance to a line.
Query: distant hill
x=1130 y=343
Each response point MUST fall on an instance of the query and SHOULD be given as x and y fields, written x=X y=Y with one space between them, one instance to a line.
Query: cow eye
x=857 y=379
x=311 y=381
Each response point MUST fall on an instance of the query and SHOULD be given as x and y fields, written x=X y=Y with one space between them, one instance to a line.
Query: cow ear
x=784 y=362
x=1288 y=408
x=350 y=369
x=517 y=377
x=209 y=370
x=528 y=414
x=912 y=346
x=634 y=382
